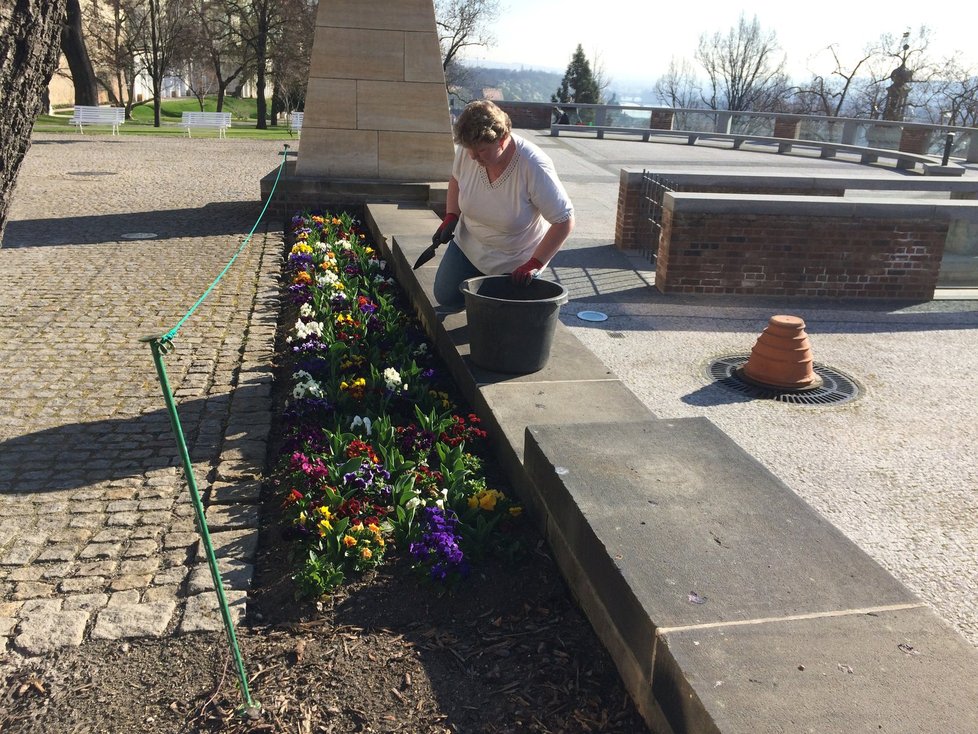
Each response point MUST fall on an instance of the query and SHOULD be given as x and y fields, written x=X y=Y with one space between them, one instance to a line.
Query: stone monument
x=896 y=93
x=376 y=104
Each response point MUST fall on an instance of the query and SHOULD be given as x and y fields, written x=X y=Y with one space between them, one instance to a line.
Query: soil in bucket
x=511 y=327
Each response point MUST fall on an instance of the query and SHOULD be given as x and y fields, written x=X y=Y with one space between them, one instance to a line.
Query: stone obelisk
x=376 y=106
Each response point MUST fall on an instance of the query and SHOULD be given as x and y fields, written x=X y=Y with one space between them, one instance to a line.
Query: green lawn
x=243 y=116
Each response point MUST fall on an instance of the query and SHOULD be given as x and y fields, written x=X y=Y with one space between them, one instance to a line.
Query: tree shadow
x=210 y=220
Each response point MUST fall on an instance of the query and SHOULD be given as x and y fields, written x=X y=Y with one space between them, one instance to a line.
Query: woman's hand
x=525 y=273
x=445 y=230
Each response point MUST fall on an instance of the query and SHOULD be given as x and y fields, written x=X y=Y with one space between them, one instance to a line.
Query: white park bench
x=219 y=121
x=83 y=115
x=296 y=124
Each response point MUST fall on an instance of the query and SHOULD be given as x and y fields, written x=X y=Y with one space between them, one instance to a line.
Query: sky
x=635 y=39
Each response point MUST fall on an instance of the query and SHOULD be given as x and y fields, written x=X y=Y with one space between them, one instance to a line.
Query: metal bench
x=83 y=115
x=901 y=160
x=219 y=121
x=295 y=124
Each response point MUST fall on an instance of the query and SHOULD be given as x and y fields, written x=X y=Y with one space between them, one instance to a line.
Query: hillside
x=518 y=85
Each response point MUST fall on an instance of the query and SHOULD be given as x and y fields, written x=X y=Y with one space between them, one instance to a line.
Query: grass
x=243 y=120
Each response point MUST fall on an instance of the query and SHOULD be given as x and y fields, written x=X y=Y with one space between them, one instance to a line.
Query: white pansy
x=361 y=421
x=306 y=310
x=306 y=386
x=305 y=329
x=345 y=244
x=392 y=378
x=326 y=277
x=412 y=503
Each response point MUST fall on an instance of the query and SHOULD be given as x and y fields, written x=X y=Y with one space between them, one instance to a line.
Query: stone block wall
x=799 y=255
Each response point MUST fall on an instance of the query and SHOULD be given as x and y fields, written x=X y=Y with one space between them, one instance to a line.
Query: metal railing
x=844 y=130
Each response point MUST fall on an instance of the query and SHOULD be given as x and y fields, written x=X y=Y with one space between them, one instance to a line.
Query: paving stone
x=231 y=517
x=71 y=536
x=10 y=608
x=128 y=519
x=162 y=593
x=122 y=506
x=244 y=492
x=44 y=633
x=101 y=550
x=149 y=505
x=111 y=535
x=26 y=573
x=172 y=575
x=93 y=520
x=145 y=533
x=238 y=544
x=21 y=552
x=179 y=540
x=85 y=602
x=97 y=568
x=140 y=565
x=155 y=519
x=81 y=584
x=234 y=574
x=7 y=626
x=57 y=570
x=148 y=619
x=58 y=553
x=141 y=548
x=131 y=581
x=124 y=598
x=31 y=590
x=202 y=611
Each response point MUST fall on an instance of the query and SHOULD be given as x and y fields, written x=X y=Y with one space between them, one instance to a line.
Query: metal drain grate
x=836 y=387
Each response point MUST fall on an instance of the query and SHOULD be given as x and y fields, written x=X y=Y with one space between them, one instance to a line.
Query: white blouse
x=502 y=222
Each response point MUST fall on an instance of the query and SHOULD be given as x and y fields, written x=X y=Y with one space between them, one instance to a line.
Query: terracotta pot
x=782 y=357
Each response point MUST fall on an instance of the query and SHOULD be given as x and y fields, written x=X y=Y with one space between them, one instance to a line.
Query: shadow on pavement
x=80 y=455
x=210 y=220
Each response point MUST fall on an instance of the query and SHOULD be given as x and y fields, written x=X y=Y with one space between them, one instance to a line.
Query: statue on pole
x=897 y=92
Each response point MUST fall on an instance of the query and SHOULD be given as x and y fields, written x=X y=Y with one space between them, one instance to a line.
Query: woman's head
x=481 y=122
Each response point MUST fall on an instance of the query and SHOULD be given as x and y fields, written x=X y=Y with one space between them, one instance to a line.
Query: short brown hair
x=481 y=122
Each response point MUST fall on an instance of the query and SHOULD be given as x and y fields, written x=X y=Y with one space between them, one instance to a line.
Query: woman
x=507 y=211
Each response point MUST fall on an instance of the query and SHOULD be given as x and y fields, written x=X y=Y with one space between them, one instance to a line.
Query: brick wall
x=787 y=127
x=768 y=254
x=915 y=140
x=633 y=230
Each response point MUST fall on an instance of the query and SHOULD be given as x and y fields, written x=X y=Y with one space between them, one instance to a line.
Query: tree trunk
x=73 y=47
x=28 y=58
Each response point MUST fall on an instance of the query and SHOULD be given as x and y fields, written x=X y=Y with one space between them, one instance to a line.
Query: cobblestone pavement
x=97 y=536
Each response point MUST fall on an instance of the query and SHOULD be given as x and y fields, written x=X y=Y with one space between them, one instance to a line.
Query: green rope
x=168 y=336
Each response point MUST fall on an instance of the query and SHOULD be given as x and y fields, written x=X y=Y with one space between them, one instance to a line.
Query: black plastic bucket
x=511 y=327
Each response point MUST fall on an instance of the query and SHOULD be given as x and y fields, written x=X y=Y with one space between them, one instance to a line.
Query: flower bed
x=376 y=453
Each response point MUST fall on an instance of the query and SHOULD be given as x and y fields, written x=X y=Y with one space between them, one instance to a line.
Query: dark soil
x=508 y=651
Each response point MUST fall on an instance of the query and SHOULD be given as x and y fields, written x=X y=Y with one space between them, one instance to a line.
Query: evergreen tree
x=578 y=84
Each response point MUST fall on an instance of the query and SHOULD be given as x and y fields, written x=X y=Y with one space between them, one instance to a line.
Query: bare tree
x=216 y=28
x=291 y=56
x=115 y=29
x=744 y=67
x=29 y=46
x=76 y=53
x=167 y=22
x=829 y=95
x=462 y=24
x=678 y=87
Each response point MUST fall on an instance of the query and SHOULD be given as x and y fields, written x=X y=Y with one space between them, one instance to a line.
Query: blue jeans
x=453 y=269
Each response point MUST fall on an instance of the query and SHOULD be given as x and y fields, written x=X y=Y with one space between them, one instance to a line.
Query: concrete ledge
x=646 y=519
x=829 y=206
x=689 y=180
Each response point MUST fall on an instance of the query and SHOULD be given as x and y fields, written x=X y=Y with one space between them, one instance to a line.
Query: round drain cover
x=835 y=388
x=592 y=316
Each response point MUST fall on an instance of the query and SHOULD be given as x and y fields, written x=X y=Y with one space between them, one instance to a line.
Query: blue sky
x=637 y=39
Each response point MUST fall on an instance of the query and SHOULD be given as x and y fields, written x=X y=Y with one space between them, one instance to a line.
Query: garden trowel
x=429 y=252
